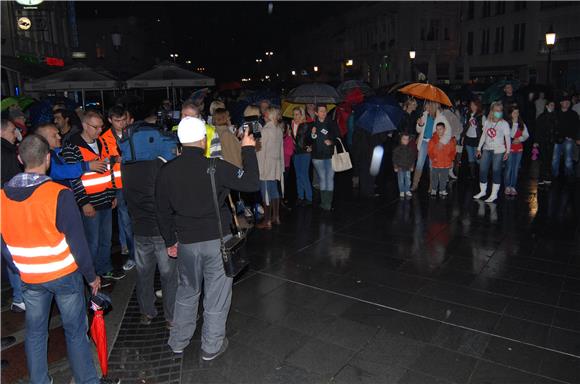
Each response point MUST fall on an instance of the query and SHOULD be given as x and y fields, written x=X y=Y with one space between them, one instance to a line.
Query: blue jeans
x=269 y=190
x=125 y=228
x=404 y=179
x=99 y=230
x=567 y=147
x=471 y=154
x=487 y=159
x=302 y=166
x=513 y=167
x=422 y=156
x=325 y=173
x=13 y=276
x=68 y=291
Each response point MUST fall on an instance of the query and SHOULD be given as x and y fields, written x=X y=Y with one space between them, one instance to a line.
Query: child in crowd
x=404 y=157
x=441 y=157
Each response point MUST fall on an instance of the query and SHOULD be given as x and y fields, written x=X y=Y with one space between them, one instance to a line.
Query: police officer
x=189 y=226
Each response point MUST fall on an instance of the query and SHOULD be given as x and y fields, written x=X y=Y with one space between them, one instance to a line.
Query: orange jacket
x=441 y=156
x=111 y=149
x=38 y=248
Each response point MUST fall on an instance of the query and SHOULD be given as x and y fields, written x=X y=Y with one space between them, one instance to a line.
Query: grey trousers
x=151 y=252
x=439 y=177
x=197 y=263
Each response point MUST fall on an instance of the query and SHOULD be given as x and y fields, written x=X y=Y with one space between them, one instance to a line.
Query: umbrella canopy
x=75 y=78
x=426 y=92
x=256 y=97
x=22 y=102
x=378 y=118
x=314 y=93
x=350 y=85
x=288 y=108
x=495 y=91
x=99 y=336
x=456 y=126
x=169 y=75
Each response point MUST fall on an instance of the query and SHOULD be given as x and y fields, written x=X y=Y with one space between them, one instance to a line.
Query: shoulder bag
x=232 y=250
x=340 y=161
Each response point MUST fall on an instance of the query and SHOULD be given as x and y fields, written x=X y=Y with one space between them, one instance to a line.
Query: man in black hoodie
x=567 y=128
x=544 y=140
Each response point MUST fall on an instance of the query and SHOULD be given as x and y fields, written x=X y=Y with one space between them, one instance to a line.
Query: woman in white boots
x=493 y=149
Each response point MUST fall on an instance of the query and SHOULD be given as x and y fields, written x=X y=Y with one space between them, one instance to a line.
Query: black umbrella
x=349 y=85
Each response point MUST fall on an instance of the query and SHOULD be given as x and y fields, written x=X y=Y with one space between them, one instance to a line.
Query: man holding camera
x=189 y=226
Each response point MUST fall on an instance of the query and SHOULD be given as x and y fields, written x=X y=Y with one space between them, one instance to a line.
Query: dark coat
x=10 y=164
x=404 y=157
x=303 y=139
x=478 y=130
x=545 y=133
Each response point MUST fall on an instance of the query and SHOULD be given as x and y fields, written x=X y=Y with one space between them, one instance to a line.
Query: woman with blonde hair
x=494 y=148
x=271 y=166
x=426 y=124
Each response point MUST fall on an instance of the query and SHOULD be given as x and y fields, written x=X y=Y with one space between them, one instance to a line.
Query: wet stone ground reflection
x=398 y=291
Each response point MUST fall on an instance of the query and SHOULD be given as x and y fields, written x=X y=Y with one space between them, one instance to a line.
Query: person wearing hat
x=189 y=225
x=567 y=128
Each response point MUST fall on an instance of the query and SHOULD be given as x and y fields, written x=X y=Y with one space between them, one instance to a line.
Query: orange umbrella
x=426 y=92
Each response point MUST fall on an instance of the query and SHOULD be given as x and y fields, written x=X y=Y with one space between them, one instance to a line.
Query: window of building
x=498 y=44
x=446 y=33
x=520 y=5
x=486 y=9
x=499 y=8
x=484 y=42
x=470 y=10
x=433 y=33
x=519 y=38
x=470 y=44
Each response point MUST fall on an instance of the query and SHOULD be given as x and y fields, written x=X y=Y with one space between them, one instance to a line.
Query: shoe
x=129 y=265
x=443 y=193
x=541 y=182
x=109 y=380
x=514 y=192
x=482 y=191
x=409 y=193
x=452 y=175
x=433 y=193
x=145 y=320
x=211 y=356
x=494 y=191
x=106 y=282
x=159 y=294
x=8 y=341
x=508 y=191
x=124 y=251
x=547 y=182
x=115 y=275
x=169 y=324
x=402 y=195
x=18 y=307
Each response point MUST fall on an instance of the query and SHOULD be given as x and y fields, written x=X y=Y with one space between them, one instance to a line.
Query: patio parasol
x=426 y=92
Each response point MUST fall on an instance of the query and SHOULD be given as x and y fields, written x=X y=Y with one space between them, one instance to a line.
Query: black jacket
x=567 y=125
x=324 y=130
x=10 y=164
x=139 y=190
x=546 y=129
x=303 y=139
x=472 y=142
x=404 y=157
x=185 y=200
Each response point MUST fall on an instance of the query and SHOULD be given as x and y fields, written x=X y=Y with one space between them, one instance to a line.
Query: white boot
x=482 y=191
x=451 y=174
x=494 y=191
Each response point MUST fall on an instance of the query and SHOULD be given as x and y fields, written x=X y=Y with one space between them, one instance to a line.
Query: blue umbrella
x=377 y=118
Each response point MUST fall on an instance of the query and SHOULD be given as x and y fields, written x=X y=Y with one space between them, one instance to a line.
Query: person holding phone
x=494 y=148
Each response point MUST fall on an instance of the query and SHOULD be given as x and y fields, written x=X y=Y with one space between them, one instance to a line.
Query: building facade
x=35 y=41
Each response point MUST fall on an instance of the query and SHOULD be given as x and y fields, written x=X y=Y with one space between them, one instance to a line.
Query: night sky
x=225 y=37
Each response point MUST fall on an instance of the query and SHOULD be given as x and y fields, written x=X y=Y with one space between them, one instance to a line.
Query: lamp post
x=174 y=56
x=412 y=55
x=550 y=41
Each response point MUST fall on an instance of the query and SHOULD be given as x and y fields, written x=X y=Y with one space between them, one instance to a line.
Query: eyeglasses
x=97 y=128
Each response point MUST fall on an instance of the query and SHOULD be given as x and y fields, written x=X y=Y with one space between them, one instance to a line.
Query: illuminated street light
x=315 y=69
x=550 y=41
x=293 y=73
x=412 y=54
x=349 y=63
x=174 y=56
x=269 y=53
x=258 y=60
x=187 y=61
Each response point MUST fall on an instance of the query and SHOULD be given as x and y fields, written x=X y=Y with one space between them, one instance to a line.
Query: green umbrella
x=495 y=91
x=22 y=101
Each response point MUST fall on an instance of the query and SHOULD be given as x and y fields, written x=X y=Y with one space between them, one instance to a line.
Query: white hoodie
x=495 y=137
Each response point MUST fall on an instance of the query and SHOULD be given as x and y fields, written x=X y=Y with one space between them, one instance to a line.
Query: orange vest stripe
x=39 y=250
x=94 y=182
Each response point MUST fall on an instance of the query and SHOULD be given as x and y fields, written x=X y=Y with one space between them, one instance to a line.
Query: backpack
x=142 y=141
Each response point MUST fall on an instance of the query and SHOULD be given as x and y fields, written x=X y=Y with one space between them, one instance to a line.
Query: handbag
x=232 y=250
x=341 y=160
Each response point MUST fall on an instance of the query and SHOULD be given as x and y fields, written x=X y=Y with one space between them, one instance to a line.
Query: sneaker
x=514 y=192
x=433 y=193
x=129 y=265
x=159 y=294
x=547 y=182
x=211 y=356
x=18 y=307
x=145 y=320
x=443 y=193
x=508 y=191
x=124 y=251
x=109 y=380
x=409 y=193
x=115 y=275
x=169 y=324
x=541 y=182
x=402 y=195
x=106 y=282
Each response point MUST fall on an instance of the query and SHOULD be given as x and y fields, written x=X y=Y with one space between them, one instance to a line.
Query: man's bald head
x=50 y=133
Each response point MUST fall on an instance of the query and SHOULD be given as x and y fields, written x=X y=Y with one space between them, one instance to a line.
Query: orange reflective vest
x=110 y=146
x=38 y=248
x=95 y=182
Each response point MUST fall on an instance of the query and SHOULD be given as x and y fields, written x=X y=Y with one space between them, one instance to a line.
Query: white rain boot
x=494 y=191
x=482 y=191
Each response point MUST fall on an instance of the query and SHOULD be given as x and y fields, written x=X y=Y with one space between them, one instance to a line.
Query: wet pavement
x=394 y=291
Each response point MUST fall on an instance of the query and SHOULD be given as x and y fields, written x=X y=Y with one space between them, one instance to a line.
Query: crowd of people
x=62 y=181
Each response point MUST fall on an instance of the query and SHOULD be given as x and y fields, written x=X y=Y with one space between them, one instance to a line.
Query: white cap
x=190 y=130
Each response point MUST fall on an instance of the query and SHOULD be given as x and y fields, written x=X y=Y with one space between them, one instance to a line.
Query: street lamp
x=187 y=61
x=315 y=68
x=293 y=73
x=269 y=53
x=550 y=41
x=258 y=60
x=174 y=56
x=412 y=55
x=349 y=63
